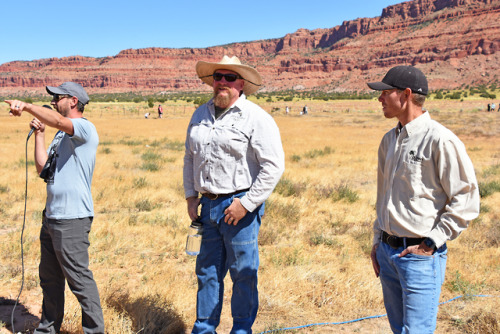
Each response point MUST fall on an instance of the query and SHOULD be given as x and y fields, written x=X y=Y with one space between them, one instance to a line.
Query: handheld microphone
x=33 y=128
x=31 y=132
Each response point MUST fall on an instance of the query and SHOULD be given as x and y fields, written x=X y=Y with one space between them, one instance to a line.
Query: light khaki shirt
x=426 y=185
x=239 y=150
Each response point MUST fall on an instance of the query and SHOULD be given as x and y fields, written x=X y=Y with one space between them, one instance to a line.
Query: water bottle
x=193 y=242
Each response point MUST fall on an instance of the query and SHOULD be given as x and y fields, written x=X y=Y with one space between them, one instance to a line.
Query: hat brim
x=379 y=86
x=253 y=80
x=55 y=90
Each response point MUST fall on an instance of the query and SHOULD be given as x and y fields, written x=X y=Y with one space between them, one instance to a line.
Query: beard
x=223 y=101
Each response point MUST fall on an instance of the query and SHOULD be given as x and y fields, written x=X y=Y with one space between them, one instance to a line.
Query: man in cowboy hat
x=67 y=168
x=427 y=194
x=234 y=158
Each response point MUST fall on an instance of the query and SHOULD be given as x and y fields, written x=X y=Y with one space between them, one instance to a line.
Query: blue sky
x=38 y=29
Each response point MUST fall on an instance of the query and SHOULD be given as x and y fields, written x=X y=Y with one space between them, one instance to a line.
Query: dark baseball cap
x=70 y=88
x=403 y=77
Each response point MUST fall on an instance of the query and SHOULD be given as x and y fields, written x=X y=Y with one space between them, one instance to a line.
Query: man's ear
x=74 y=101
x=406 y=94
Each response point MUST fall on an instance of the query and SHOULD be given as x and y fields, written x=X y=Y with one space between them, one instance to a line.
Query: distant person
x=489 y=106
x=234 y=158
x=160 y=111
x=493 y=106
x=146 y=115
x=427 y=194
x=67 y=168
x=287 y=110
x=304 y=110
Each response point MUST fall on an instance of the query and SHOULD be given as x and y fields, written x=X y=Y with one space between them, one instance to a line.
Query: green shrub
x=286 y=188
x=459 y=285
x=151 y=166
x=144 y=205
x=344 y=192
x=140 y=182
x=151 y=156
x=319 y=153
x=488 y=188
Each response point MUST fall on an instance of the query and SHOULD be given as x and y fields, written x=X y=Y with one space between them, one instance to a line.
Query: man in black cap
x=427 y=194
x=67 y=168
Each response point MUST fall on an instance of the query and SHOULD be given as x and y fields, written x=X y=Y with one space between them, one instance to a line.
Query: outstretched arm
x=47 y=116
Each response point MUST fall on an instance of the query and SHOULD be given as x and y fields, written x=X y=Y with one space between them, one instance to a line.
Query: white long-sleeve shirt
x=239 y=150
x=426 y=185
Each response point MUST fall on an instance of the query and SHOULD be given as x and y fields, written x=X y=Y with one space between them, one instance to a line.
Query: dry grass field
x=315 y=239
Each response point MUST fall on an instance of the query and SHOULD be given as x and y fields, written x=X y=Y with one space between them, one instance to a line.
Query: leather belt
x=396 y=242
x=213 y=197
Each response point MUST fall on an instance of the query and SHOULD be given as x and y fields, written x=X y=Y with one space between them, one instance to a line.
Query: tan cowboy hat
x=252 y=78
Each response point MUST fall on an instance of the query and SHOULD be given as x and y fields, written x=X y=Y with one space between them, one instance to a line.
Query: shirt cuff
x=249 y=206
x=192 y=193
x=437 y=238
x=376 y=238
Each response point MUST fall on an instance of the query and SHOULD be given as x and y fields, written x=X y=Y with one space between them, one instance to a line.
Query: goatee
x=223 y=101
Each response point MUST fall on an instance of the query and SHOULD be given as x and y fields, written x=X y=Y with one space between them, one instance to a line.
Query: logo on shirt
x=414 y=158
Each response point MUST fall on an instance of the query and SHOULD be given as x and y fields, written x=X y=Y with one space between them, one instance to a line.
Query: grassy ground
x=314 y=242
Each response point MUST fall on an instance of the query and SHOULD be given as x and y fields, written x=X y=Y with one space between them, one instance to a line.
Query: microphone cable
x=22 y=233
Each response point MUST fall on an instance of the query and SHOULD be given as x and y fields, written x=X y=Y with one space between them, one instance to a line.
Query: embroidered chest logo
x=414 y=158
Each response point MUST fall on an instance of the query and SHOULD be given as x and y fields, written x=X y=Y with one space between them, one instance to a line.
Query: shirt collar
x=418 y=124
x=236 y=104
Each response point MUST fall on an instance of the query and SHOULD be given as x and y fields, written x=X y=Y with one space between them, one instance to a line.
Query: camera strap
x=47 y=173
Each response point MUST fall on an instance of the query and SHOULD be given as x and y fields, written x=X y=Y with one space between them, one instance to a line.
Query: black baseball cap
x=403 y=77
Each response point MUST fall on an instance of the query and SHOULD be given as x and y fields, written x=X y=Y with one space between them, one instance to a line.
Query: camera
x=49 y=169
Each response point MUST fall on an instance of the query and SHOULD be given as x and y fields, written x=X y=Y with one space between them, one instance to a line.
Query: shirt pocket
x=233 y=141
x=197 y=136
x=418 y=175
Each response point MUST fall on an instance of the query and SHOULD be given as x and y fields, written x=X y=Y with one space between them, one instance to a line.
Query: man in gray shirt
x=67 y=168
x=427 y=194
x=234 y=158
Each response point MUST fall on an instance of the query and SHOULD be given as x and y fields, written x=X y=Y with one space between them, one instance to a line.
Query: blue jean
x=411 y=286
x=227 y=247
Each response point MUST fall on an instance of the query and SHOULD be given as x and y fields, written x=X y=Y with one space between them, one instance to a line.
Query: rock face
x=455 y=42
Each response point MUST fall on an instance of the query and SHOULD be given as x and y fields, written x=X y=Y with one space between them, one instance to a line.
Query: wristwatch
x=430 y=243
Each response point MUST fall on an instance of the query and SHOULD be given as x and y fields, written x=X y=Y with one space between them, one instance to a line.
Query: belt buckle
x=211 y=196
x=392 y=241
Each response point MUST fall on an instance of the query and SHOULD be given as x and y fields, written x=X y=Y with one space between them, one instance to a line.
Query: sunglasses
x=229 y=77
x=57 y=97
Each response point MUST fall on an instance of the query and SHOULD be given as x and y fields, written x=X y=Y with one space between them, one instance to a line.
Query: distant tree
x=201 y=100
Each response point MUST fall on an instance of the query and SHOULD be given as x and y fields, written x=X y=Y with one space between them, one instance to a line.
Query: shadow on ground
x=24 y=321
x=149 y=314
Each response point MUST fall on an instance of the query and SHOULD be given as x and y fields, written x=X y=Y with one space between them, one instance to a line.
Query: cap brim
x=379 y=86
x=55 y=90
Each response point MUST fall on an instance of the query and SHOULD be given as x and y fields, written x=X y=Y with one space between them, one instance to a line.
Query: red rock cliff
x=455 y=42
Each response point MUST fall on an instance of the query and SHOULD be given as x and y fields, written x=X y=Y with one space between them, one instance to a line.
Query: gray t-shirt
x=69 y=196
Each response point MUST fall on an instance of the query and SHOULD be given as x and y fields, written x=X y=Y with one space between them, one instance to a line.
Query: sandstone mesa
x=455 y=42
